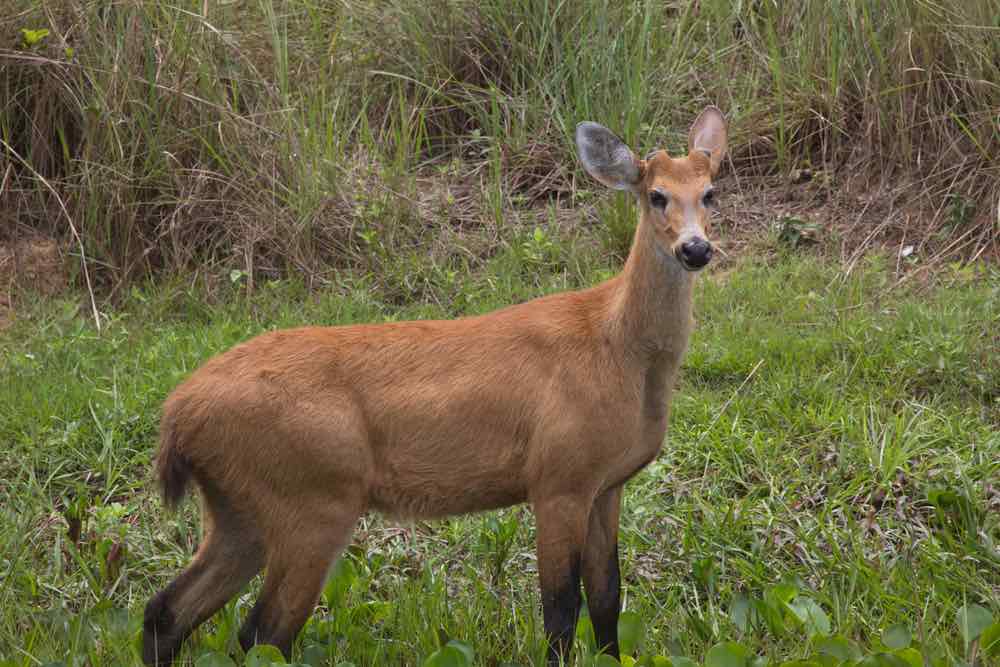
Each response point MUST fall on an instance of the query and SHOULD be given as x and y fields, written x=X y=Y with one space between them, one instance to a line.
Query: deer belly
x=422 y=477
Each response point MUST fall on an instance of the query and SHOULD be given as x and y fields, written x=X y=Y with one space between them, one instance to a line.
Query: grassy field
x=833 y=439
x=204 y=171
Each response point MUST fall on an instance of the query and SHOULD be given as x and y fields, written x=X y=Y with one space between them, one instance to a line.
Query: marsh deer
x=557 y=402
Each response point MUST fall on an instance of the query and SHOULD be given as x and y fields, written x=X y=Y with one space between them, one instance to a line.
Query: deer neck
x=653 y=309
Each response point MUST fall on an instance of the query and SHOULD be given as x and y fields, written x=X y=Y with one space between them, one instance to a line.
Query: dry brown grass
x=309 y=140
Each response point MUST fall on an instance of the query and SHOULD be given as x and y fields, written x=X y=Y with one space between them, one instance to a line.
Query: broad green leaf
x=447 y=656
x=466 y=650
x=800 y=663
x=911 y=656
x=264 y=655
x=214 y=659
x=585 y=632
x=629 y=661
x=681 y=661
x=839 y=647
x=989 y=641
x=772 y=611
x=811 y=615
x=341 y=578
x=883 y=660
x=758 y=661
x=631 y=632
x=972 y=620
x=826 y=660
x=897 y=636
x=727 y=654
x=653 y=661
x=941 y=661
x=783 y=592
x=605 y=660
x=316 y=655
x=739 y=612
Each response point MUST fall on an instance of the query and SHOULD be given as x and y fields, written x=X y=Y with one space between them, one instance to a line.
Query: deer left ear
x=607 y=158
x=709 y=135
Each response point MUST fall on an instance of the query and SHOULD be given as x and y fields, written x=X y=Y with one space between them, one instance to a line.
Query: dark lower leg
x=560 y=610
x=603 y=588
x=561 y=526
x=601 y=578
x=218 y=573
x=295 y=576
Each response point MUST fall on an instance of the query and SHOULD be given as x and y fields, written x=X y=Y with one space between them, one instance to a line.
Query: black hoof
x=160 y=637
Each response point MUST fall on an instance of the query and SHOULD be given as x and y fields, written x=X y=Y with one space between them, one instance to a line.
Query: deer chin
x=690 y=268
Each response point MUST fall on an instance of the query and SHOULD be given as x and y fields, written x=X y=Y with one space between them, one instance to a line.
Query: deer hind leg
x=229 y=556
x=561 y=528
x=297 y=565
x=601 y=577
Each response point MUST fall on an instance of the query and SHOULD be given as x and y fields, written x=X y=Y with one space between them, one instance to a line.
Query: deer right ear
x=606 y=157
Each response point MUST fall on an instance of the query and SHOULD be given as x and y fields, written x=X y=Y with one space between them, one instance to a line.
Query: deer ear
x=709 y=135
x=606 y=157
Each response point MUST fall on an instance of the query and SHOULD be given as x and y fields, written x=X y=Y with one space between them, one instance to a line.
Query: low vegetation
x=829 y=487
x=198 y=172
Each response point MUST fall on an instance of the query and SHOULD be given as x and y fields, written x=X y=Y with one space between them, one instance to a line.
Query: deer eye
x=709 y=200
x=657 y=199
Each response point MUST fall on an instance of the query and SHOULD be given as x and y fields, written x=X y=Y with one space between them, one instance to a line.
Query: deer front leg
x=561 y=528
x=600 y=570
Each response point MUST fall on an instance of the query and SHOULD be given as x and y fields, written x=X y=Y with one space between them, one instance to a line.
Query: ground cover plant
x=831 y=492
x=178 y=176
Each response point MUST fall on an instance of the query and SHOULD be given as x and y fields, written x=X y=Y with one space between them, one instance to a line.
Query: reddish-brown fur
x=292 y=435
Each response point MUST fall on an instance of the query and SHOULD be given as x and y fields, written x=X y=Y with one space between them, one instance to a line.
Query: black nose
x=696 y=253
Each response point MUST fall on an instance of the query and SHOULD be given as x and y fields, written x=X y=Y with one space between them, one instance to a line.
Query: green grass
x=828 y=431
x=213 y=170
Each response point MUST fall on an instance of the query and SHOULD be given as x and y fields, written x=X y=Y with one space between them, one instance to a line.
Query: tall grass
x=303 y=136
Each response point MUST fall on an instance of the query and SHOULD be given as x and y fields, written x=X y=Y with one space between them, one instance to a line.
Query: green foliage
x=837 y=508
x=631 y=632
x=214 y=660
x=897 y=636
x=727 y=654
x=263 y=655
x=452 y=654
x=33 y=37
x=973 y=619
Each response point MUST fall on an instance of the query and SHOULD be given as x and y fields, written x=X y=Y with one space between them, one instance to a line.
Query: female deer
x=291 y=436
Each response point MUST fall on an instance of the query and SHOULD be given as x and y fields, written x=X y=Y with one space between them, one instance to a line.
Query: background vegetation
x=204 y=171
x=302 y=137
